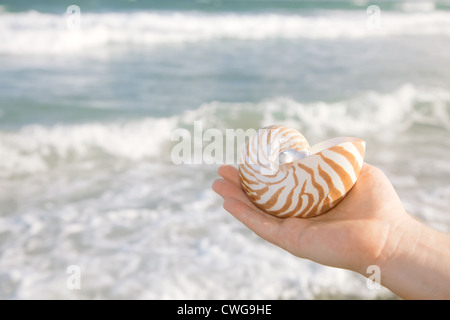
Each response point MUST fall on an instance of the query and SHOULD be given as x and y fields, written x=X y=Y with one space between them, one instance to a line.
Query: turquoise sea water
x=86 y=118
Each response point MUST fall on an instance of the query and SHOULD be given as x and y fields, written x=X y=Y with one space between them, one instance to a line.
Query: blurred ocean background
x=86 y=118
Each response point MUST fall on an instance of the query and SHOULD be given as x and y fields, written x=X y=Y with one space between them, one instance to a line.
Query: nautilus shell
x=282 y=175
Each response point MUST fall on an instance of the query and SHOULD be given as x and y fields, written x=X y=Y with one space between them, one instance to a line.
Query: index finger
x=231 y=174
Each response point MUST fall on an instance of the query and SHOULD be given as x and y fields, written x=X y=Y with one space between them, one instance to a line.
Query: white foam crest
x=33 y=148
x=368 y=113
x=417 y=6
x=41 y=33
x=377 y=113
x=36 y=148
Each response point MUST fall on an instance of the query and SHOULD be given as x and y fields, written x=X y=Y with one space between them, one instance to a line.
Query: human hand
x=351 y=235
x=368 y=227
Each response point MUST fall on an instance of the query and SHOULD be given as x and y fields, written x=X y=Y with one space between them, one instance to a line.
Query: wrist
x=401 y=240
x=388 y=241
x=413 y=261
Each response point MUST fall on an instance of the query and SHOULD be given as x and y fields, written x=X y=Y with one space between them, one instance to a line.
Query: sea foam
x=42 y=33
x=105 y=197
x=37 y=148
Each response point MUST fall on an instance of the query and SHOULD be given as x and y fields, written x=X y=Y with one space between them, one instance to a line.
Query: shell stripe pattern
x=305 y=187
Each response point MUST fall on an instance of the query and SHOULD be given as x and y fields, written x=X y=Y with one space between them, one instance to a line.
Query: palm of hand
x=351 y=235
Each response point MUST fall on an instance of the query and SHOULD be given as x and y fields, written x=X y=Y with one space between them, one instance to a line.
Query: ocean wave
x=42 y=33
x=37 y=148
x=135 y=222
x=369 y=113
